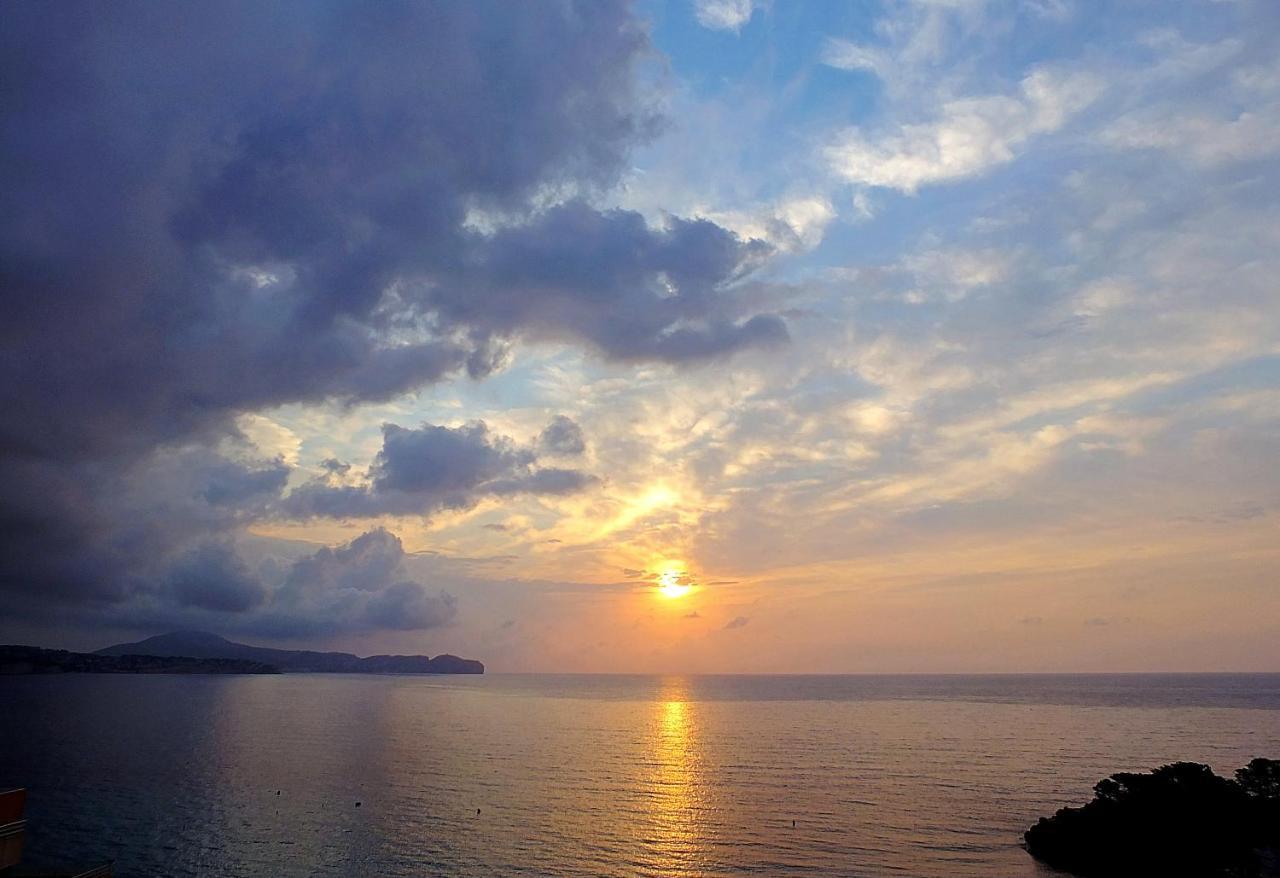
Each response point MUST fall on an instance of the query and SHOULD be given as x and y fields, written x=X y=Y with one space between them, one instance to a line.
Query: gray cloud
x=736 y=622
x=633 y=292
x=212 y=577
x=443 y=460
x=434 y=468
x=359 y=586
x=109 y=531
x=210 y=210
x=407 y=606
x=253 y=226
x=562 y=436
x=335 y=467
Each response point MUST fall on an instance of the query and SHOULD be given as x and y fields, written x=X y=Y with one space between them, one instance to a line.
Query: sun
x=673 y=582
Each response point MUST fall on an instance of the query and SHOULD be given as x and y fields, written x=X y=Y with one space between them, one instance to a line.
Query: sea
x=345 y=775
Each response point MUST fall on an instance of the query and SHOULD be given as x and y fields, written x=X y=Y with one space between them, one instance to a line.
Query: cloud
x=108 y=531
x=1208 y=104
x=442 y=460
x=358 y=586
x=918 y=38
x=280 y=217
x=562 y=436
x=434 y=468
x=212 y=577
x=270 y=438
x=1207 y=138
x=846 y=55
x=952 y=274
x=302 y=208
x=736 y=622
x=633 y=292
x=727 y=15
x=790 y=225
x=407 y=606
x=968 y=136
x=1054 y=10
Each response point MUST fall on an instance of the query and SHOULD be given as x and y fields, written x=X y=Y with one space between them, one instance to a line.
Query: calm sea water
x=582 y=775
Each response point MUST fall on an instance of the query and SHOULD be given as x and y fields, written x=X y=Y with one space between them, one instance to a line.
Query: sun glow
x=673 y=581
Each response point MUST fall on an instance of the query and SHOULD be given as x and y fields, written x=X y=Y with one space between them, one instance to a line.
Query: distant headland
x=203 y=652
x=202 y=644
x=34 y=660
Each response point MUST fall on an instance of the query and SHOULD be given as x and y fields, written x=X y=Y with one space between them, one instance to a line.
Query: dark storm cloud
x=209 y=209
x=444 y=461
x=358 y=586
x=108 y=530
x=407 y=606
x=430 y=469
x=633 y=292
x=562 y=436
x=232 y=484
x=225 y=207
x=213 y=577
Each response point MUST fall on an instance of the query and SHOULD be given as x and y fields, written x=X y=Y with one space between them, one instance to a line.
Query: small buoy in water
x=793 y=824
x=277 y=792
x=357 y=804
x=477 y=812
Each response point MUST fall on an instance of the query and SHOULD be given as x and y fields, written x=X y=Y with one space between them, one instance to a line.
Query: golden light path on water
x=676 y=783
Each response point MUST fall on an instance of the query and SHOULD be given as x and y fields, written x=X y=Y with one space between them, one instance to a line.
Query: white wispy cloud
x=917 y=41
x=967 y=136
x=792 y=224
x=726 y=15
x=1205 y=138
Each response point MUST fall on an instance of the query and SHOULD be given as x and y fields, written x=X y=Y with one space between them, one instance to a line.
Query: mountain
x=203 y=645
x=34 y=660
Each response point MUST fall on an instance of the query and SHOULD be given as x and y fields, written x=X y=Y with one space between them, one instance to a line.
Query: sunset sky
x=716 y=336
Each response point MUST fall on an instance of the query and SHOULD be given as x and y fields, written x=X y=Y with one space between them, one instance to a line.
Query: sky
x=710 y=336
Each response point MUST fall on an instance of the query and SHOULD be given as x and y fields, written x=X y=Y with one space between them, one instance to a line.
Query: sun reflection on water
x=676 y=785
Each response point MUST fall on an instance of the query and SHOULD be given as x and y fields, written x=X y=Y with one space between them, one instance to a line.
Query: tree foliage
x=1179 y=820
